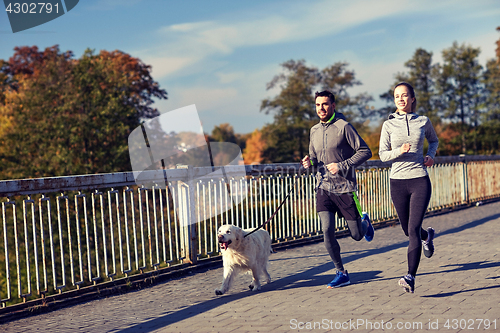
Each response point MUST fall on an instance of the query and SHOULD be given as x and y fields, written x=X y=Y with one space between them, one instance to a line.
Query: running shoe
x=339 y=280
x=428 y=245
x=370 y=232
x=407 y=282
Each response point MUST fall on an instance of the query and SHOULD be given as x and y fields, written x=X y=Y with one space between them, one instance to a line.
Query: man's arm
x=310 y=159
x=312 y=152
x=362 y=151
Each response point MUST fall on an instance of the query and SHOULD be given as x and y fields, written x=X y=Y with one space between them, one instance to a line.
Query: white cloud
x=487 y=45
x=230 y=77
x=197 y=41
x=207 y=98
x=163 y=66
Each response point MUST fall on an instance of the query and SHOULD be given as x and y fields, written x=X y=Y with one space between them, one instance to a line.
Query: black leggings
x=411 y=198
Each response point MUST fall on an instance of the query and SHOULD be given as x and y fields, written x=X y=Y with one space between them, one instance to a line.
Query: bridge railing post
x=187 y=216
x=465 y=180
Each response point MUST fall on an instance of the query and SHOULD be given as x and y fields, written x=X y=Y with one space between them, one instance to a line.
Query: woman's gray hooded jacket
x=407 y=128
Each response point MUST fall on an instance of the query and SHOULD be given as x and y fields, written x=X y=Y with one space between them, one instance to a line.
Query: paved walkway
x=457 y=290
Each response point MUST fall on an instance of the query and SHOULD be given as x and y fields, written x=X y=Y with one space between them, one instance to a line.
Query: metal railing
x=64 y=233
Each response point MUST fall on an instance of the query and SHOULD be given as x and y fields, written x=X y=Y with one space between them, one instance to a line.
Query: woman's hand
x=428 y=161
x=405 y=148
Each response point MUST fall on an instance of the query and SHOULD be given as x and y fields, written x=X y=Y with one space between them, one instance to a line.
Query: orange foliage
x=449 y=139
x=255 y=146
x=372 y=139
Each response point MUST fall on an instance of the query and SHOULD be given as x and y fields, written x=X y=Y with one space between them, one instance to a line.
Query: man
x=337 y=149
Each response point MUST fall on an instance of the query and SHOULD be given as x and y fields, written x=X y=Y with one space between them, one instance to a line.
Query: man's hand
x=428 y=161
x=306 y=162
x=405 y=148
x=333 y=168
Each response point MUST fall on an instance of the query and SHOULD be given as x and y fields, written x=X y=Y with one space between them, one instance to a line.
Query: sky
x=219 y=55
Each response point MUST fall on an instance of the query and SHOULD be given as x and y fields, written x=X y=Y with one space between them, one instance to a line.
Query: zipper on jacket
x=324 y=143
x=407 y=126
x=324 y=127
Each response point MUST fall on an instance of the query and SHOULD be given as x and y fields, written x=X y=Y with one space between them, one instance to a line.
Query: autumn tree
x=255 y=147
x=4 y=80
x=63 y=116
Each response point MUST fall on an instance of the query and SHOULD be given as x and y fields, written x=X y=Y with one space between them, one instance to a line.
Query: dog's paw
x=218 y=292
x=254 y=286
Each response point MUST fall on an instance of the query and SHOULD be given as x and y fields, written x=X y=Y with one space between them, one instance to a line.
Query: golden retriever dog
x=243 y=254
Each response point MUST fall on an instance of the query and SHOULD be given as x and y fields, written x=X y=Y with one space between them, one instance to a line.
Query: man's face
x=324 y=108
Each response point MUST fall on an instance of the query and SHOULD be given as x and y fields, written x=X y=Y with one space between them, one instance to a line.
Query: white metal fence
x=64 y=233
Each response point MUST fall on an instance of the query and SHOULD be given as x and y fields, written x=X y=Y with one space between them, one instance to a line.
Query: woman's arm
x=431 y=136
x=385 y=151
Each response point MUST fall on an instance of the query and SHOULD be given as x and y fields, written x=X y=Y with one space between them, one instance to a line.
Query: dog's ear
x=239 y=234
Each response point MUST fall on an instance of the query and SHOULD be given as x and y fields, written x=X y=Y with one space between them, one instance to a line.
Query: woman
x=402 y=143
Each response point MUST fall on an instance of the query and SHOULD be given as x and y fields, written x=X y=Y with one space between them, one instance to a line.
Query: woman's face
x=403 y=99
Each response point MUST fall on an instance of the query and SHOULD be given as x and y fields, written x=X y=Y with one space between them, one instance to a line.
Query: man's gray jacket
x=337 y=141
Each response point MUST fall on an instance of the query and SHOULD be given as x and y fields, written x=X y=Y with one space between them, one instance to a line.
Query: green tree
x=223 y=133
x=420 y=76
x=459 y=84
x=338 y=79
x=491 y=116
x=63 y=116
x=294 y=110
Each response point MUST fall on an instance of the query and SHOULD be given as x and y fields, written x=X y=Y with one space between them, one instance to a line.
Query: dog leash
x=279 y=207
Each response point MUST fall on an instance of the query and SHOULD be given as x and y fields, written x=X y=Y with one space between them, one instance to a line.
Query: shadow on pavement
x=469 y=225
x=471 y=266
x=459 y=292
